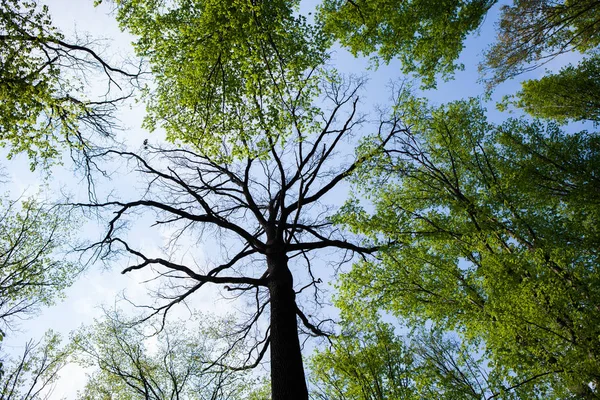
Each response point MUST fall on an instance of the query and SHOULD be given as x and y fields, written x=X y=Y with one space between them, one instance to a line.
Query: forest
x=333 y=200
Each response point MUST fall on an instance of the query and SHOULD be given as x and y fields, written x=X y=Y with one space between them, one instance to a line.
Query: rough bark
x=287 y=372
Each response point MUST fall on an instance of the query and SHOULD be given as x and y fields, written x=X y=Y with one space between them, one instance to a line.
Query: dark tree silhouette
x=275 y=205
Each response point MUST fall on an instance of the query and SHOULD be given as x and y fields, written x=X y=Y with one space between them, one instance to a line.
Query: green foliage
x=370 y=362
x=28 y=81
x=573 y=94
x=532 y=32
x=427 y=36
x=494 y=234
x=261 y=392
x=33 y=267
x=44 y=107
x=133 y=360
x=30 y=375
x=229 y=76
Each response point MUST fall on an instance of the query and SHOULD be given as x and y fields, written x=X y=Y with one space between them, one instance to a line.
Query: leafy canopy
x=495 y=237
x=226 y=71
x=32 y=374
x=44 y=105
x=532 y=32
x=133 y=361
x=34 y=269
x=427 y=36
x=365 y=362
x=572 y=94
x=369 y=361
x=28 y=81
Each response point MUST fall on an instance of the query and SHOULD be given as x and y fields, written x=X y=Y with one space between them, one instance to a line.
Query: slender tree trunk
x=287 y=372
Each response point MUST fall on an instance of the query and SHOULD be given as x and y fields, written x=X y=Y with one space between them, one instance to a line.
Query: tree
x=569 y=95
x=31 y=376
x=370 y=362
x=365 y=362
x=495 y=238
x=427 y=36
x=33 y=267
x=237 y=86
x=238 y=68
x=44 y=105
x=126 y=367
x=270 y=214
x=532 y=32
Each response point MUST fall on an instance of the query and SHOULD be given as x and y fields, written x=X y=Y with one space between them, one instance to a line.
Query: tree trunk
x=287 y=372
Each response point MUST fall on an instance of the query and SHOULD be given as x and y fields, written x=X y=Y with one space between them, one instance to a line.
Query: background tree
x=31 y=375
x=532 y=32
x=34 y=269
x=270 y=213
x=496 y=239
x=369 y=361
x=569 y=95
x=127 y=367
x=46 y=104
x=427 y=37
x=44 y=107
x=366 y=362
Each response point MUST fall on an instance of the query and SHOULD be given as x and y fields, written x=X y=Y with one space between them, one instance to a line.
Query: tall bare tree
x=273 y=210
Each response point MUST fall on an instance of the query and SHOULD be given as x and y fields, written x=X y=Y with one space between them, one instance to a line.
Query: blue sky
x=101 y=286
